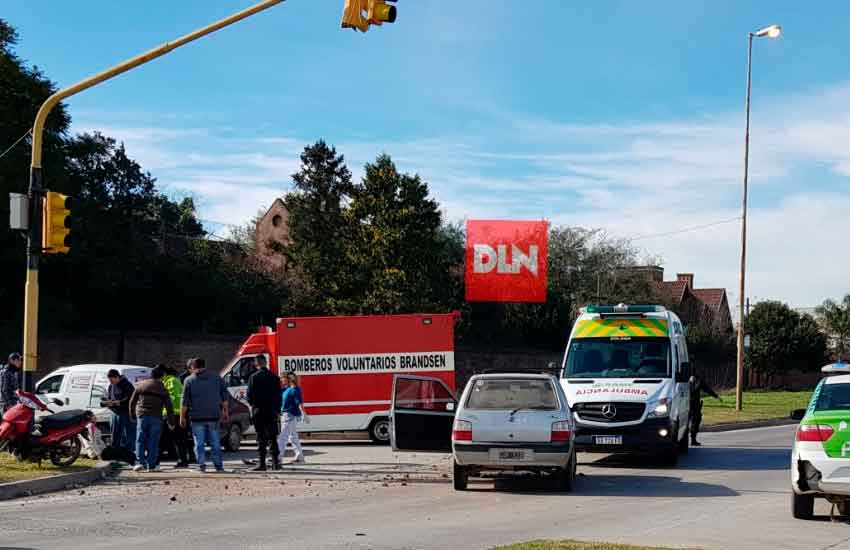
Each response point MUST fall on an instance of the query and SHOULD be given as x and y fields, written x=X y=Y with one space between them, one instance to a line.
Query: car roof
x=528 y=375
x=838 y=379
x=103 y=366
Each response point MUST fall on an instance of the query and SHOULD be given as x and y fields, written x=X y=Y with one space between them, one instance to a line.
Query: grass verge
x=575 y=545
x=758 y=405
x=12 y=470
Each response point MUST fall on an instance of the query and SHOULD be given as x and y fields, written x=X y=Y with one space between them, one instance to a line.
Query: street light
x=772 y=31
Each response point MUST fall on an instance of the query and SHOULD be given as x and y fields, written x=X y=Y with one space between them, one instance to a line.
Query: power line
x=3 y=154
x=685 y=229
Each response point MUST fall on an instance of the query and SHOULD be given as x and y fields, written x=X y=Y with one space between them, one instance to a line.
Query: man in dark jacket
x=204 y=404
x=118 y=401
x=146 y=405
x=698 y=387
x=264 y=396
x=10 y=382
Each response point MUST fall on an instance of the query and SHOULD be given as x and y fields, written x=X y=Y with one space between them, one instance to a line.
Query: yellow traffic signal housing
x=361 y=14
x=56 y=233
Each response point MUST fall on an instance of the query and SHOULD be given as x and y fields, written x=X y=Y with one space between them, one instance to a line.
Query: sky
x=619 y=115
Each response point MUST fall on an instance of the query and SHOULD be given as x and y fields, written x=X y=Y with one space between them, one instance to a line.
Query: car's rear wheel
x=379 y=431
x=460 y=476
x=802 y=506
x=233 y=441
x=565 y=477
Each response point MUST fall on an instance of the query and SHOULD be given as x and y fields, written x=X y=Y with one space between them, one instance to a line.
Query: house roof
x=712 y=297
x=672 y=290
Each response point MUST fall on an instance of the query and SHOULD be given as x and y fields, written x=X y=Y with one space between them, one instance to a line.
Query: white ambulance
x=626 y=374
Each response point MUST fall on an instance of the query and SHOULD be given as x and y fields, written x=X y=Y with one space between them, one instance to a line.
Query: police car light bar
x=623 y=308
x=836 y=368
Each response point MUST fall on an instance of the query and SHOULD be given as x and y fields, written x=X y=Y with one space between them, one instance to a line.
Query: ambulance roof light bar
x=836 y=368
x=622 y=309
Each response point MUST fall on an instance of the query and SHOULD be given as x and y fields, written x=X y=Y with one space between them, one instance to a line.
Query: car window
x=98 y=393
x=418 y=394
x=51 y=385
x=241 y=372
x=833 y=397
x=509 y=394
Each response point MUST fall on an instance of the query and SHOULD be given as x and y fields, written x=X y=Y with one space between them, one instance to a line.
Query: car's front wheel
x=460 y=476
x=802 y=506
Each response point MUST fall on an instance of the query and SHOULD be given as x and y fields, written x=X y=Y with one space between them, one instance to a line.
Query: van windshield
x=512 y=394
x=618 y=358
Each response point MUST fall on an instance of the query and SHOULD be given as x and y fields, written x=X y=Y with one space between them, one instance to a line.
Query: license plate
x=609 y=439
x=512 y=455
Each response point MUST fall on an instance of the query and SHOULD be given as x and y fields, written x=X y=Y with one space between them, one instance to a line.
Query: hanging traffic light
x=361 y=14
x=56 y=232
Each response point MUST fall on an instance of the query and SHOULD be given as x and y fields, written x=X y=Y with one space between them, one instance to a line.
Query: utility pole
x=36 y=188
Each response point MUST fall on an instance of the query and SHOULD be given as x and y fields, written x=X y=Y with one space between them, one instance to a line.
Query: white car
x=502 y=422
x=820 y=458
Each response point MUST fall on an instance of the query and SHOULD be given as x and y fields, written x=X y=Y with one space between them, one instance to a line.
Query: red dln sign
x=506 y=260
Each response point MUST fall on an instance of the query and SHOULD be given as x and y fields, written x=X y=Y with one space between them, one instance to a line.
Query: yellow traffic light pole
x=36 y=190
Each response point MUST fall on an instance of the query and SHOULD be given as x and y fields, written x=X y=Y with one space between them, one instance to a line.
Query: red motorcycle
x=57 y=436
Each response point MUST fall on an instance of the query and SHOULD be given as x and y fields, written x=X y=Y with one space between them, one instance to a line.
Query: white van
x=626 y=374
x=84 y=386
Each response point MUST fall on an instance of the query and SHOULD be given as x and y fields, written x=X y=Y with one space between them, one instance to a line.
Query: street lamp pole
x=36 y=189
x=773 y=31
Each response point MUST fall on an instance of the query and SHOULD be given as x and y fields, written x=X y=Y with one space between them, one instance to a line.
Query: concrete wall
x=135 y=348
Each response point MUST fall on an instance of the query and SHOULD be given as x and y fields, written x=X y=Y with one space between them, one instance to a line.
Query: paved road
x=730 y=494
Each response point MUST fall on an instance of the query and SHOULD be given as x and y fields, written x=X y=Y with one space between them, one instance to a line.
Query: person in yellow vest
x=175 y=436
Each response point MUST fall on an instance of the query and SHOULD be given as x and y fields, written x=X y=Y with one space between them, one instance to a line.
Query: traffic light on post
x=56 y=232
x=361 y=14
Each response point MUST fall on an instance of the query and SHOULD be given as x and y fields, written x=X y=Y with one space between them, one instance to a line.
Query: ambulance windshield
x=618 y=358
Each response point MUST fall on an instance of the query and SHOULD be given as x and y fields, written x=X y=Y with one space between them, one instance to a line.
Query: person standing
x=204 y=404
x=264 y=396
x=146 y=405
x=118 y=401
x=698 y=387
x=10 y=382
x=293 y=413
x=175 y=436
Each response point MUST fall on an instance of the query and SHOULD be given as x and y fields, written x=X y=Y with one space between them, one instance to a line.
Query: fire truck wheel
x=379 y=431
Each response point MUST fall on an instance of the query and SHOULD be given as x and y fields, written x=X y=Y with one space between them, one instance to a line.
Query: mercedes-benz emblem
x=609 y=410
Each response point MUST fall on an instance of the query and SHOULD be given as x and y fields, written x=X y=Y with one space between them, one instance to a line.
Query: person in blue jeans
x=204 y=404
x=147 y=403
x=118 y=400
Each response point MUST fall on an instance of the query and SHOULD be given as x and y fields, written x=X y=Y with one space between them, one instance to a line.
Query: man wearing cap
x=10 y=382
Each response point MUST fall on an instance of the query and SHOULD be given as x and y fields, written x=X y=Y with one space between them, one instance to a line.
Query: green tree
x=401 y=251
x=836 y=318
x=782 y=340
x=319 y=229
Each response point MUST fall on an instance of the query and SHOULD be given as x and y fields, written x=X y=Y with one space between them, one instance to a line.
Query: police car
x=820 y=459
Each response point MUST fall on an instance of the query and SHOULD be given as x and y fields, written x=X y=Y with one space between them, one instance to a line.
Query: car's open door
x=422 y=414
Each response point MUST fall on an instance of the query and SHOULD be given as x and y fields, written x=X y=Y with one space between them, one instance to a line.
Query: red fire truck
x=346 y=365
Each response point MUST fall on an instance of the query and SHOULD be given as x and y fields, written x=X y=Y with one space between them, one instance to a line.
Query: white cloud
x=632 y=178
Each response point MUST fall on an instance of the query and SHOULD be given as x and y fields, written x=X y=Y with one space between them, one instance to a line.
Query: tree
x=782 y=340
x=401 y=252
x=836 y=318
x=319 y=229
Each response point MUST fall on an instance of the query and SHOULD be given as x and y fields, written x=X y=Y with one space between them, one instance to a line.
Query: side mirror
x=58 y=402
x=798 y=414
x=450 y=407
x=684 y=374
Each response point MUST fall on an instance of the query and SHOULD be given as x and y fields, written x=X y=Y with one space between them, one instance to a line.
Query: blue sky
x=626 y=116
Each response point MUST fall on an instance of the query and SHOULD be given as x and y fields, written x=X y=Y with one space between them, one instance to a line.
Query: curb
x=30 y=487
x=747 y=425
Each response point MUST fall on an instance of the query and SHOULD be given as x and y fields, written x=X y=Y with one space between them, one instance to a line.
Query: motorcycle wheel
x=67 y=454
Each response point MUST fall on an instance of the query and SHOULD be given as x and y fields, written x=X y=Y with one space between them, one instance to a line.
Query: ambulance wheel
x=379 y=431
x=684 y=443
x=460 y=477
x=233 y=441
x=802 y=506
